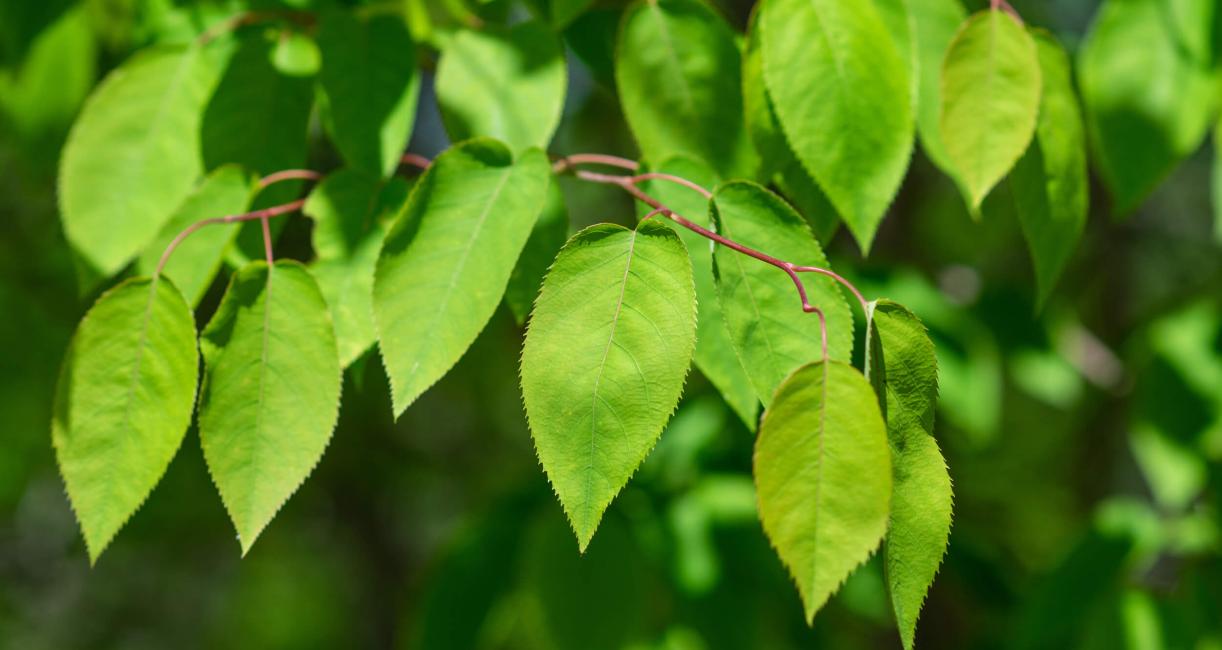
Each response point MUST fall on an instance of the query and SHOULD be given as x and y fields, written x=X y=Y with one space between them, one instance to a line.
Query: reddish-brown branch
x=264 y=214
x=415 y=160
x=289 y=175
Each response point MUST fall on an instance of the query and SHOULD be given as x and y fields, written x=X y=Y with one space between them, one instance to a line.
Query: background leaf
x=470 y=216
x=123 y=403
x=715 y=356
x=990 y=100
x=677 y=69
x=126 y=165
x=370 y=83
x=1051 y=188
x=195 y=261
x=270 y=395
x=903 y=370
x=763 y=312
x=856 y=140
x=546 y=239
x=507 y=84
x=823 y=476
x=54 y=78
x=606 y=352
x=352 y=210
x=1146 y=107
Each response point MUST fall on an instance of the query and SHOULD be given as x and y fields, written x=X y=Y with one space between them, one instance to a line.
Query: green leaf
x=823 y=476
x=715 y=356
x=990 y=100
x=54 y=79
x=1051 y=188
x=924 y=30
x=270 y=395
x=352 y=211
x=1148 y=91
x=195 y=261
x=762 y=310
x=903 y=370
x=370 y=83
x=559 y=13
x=546 y=239
x=258 y=117
x=677 y=69
x=126 y=164
x=608 y=346
x=296 y=55
x=123 y=402
x=1217 y=183
x=508 y=84
x=447 y=260
x=856 y=139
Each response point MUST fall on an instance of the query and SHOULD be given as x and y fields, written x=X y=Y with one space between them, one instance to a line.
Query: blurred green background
x=1084 y=441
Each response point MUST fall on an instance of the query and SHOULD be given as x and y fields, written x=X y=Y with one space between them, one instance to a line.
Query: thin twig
x=289 y=175
x=264 y=214
x=415 y=160
x=566 y=163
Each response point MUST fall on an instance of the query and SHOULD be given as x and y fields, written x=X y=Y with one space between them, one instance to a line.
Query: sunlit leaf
x=990 y=100
x=1051 y=188
x=549 y=234
x=607 y=349
x=270 y=395
x=352 y=211
x=1147 y=90
x=127 y=163
x=856 y=137
x=447 y=259
x=903 y=370
x=195 y=260
x=823 y=476
x=677 y=70
x=123 y=402
x=370 y=83
x=506 y=84
x=761 y=307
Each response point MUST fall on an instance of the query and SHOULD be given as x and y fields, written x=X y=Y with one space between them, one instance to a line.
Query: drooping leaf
x=126 y=164
x=677 y=69
x=823 y=476
x=856 y=138
x=506 y=84
x=352 y=211
x=608 y=346
x=258 y=117
x=195 y=261
x=370 y=83
x=123 y=402
x=546 y=239
x=903 y=370
x=1051 y=188
x=54 y=78
x=760 y=303
x=778 y=163
x=715 y=356
x=990 y=100
x=1147 y=91
x=270 y=395
x=446 y=261
x=924 y=30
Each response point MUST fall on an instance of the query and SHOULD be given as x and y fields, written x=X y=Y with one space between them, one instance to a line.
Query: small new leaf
x=123 y=402
x=270 y=395
x=446 y=262
x=607 y=349
x=903 y=370
x=823 y=476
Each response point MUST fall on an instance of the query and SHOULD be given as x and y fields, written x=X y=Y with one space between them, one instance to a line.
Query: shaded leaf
x=507 y=84
x=270 y=395
x=857 y=138
x=123 y=402
x=1216 y=185
x=762 y=310
x=1051 y=188
x=195 y=261
x=126 y=164
x=370 y=83
x=559 y=13
x=608 y=346
x=823 y=476
x=903 y=370
x=677 y=69
x=54 y=79
x=447 y=260
x=990 y=101
x=546 y=239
